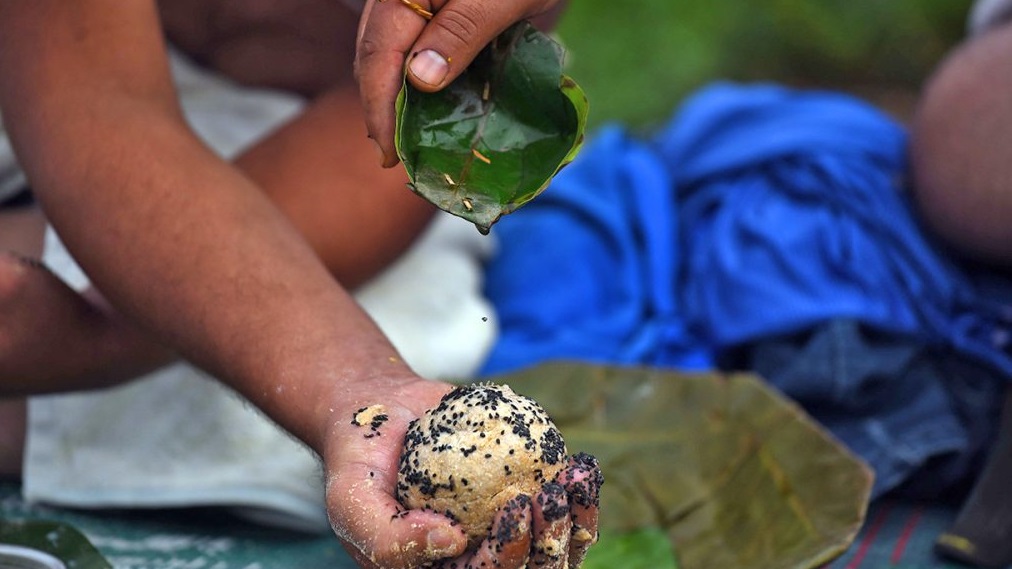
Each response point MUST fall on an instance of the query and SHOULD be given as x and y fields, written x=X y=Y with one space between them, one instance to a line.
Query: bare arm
x=962 y=171
x=319 y=170
x=187 y=245
x=174 y=236
x=324 y=175
x=192 y=248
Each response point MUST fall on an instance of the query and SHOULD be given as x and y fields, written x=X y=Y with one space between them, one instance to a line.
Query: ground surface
x=192 y=539
x=896 y=536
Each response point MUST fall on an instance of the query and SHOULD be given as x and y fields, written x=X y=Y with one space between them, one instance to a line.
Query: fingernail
x=441 y=539
x=429 y=67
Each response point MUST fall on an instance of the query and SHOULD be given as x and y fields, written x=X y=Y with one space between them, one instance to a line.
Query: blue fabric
x=883 y=394
x=587 y=270
x=758 y=211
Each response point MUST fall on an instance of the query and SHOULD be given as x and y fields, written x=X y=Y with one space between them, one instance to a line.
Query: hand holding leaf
x=493 y=139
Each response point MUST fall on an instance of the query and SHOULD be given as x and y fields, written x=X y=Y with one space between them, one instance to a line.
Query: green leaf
x=735 y=474
x=493 y=139
x=646 y=548
x=56 y=539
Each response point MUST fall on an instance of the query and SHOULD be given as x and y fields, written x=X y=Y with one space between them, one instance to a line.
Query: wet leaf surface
x=493 y=139
x=56 y=539
x=736 y=475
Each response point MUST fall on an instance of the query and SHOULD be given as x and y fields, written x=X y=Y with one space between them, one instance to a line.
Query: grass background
x=637 y=58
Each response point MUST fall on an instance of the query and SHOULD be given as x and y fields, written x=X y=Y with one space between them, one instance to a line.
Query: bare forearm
x=195 y=252
x=325 y=175
x=176 y=238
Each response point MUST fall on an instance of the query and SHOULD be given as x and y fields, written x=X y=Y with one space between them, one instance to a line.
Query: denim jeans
x=923 y=417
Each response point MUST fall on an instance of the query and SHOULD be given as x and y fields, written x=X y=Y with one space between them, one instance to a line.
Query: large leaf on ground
x=736 y=475
x=495 y=137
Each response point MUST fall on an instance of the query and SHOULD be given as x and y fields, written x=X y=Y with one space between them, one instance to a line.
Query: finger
x=457 y=32
x=552 y=527
x=372 y=522
x=360 y=495
x=582 y=479
x=387 y=30
x=360 y=558
x=508 y=544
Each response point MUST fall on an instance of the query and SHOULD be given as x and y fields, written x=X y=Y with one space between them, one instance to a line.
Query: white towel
x=179 y=438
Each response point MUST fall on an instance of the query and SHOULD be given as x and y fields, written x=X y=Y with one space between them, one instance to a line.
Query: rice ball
x=481 y=446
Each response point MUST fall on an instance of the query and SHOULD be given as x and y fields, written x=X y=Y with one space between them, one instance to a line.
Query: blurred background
x=636 y=59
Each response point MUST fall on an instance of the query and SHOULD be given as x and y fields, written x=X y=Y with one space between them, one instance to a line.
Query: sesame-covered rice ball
x=480 y=447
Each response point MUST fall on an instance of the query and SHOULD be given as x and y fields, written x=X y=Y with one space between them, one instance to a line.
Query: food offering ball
x=480 y=447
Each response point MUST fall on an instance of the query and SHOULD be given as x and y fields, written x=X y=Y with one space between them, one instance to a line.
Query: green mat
x=897 y=536
x=184 y=539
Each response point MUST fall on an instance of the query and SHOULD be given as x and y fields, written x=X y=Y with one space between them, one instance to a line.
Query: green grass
x=637 y=58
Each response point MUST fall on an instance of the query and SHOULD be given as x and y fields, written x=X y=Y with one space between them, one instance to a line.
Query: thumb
x=455 y=35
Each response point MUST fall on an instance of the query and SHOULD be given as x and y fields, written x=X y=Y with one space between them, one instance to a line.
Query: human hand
x=552 y=531
x=556 y=527
x=436 y=50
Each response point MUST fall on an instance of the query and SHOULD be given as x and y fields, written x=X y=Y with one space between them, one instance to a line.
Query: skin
x=961 y=169
x=232 y=266
x=391 y=35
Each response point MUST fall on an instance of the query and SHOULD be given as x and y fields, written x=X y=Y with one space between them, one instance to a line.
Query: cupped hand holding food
x=555 y=527
x=554 y=530
x=361 y=454
x=435 y=51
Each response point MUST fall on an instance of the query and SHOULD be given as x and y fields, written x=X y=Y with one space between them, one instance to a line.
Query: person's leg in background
x=53 y=338
x=961 y=156
x=20 y=232
x=51 y=335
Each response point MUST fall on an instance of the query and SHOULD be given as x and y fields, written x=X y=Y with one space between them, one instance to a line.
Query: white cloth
x=987 y=14
x=178 y=438
x=12 y=179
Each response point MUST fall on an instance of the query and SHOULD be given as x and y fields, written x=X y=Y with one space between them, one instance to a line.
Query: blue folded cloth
x=588 y=270
x=757 y=211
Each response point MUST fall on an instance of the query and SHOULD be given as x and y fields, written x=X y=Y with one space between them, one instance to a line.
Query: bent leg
x=357 y=217
x=51 y=337
x=54 y=339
